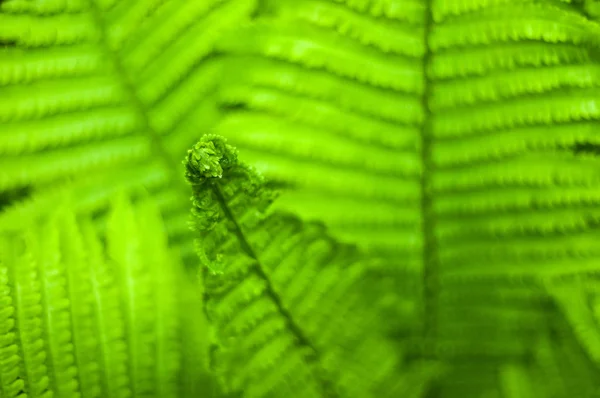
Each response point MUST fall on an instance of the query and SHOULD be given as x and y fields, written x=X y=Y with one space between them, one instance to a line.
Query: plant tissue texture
x=448 y=148
x=81 y=318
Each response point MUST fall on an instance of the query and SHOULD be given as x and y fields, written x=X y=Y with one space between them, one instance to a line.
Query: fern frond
x=90 y=87
x=511 y=193
x=509 y=97
x=79 y=320
x=334 y=71
x=288 y=301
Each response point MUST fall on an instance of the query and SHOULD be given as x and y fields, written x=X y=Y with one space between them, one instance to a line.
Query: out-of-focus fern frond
x=510 y=189
x=96 y=88
x=331 y=102
x=79 y=319
x=514 y=195
x=289 y=303
x=483 y=104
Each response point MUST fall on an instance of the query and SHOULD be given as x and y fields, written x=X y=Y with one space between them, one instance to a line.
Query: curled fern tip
x=208 y=158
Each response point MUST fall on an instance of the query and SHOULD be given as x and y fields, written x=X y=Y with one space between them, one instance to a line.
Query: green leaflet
x=79 y=319
x=290 y=306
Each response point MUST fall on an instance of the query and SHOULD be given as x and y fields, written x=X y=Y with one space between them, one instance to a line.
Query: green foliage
x=449 y=147
x=97 y=97
x=289 y=304
x=84 y=319
x=457 y=138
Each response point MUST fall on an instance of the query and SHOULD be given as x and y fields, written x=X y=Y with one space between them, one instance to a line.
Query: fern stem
x=430 y=262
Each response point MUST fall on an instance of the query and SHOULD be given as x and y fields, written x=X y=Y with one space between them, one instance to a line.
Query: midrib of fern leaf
x=97 y=88
x=291 y=306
